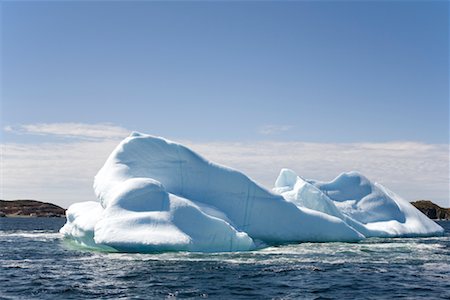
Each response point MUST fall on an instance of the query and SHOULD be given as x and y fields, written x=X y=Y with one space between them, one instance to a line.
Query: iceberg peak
x=135 y=133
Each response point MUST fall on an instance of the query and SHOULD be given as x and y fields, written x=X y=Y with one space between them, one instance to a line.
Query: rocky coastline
x=432 y=210
x=30 y=208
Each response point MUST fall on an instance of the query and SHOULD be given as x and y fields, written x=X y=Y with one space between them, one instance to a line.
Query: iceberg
x=157 y=195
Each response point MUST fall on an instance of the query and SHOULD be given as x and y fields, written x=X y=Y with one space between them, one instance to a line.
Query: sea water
x=36 y=263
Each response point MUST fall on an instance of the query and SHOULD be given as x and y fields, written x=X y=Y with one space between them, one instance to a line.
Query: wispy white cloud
x=71 y=130
x=63 y=172
x=274 y=129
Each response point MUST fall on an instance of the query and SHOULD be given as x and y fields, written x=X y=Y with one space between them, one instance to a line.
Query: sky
x=320 y=87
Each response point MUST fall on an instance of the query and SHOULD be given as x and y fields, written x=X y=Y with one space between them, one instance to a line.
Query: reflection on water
x=35 y=262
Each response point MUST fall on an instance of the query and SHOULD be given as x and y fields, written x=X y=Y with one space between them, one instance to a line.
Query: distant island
x=432 y=210
x=30 y=208
x=33 y=208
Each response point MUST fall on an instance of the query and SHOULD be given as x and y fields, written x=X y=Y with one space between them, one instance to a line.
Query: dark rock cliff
x=431 y=210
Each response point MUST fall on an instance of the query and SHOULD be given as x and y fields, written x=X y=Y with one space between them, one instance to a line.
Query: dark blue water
x=36 y=263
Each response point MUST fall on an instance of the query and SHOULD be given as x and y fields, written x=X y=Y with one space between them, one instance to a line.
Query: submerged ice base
x=157 y=195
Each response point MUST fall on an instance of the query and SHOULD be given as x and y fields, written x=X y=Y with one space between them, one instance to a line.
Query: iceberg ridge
x=158 y=195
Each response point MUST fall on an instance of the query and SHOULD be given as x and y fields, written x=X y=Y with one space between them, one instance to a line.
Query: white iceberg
x=157 y=195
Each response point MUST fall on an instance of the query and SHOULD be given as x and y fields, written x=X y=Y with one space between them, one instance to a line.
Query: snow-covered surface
x=157 y=195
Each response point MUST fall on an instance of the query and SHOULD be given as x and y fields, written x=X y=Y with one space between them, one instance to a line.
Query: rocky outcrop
x=431 y=210
x=29 y=208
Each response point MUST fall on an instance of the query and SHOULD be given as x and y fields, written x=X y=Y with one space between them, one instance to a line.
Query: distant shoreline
x=432 y=210
x=34 y=208
x=28 y=216
x=30 y=208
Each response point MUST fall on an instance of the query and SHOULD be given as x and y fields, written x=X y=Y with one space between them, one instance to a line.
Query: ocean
x=36 y=263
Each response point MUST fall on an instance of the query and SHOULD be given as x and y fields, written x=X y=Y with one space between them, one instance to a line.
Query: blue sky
x=321 y=87
x=314 y=71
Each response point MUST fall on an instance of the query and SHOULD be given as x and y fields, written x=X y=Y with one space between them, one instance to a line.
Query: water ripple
x=38 y=264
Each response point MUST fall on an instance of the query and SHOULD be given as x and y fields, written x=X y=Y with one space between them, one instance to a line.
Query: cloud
x=274 y=129
x=71 y=130
x=63 y=173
